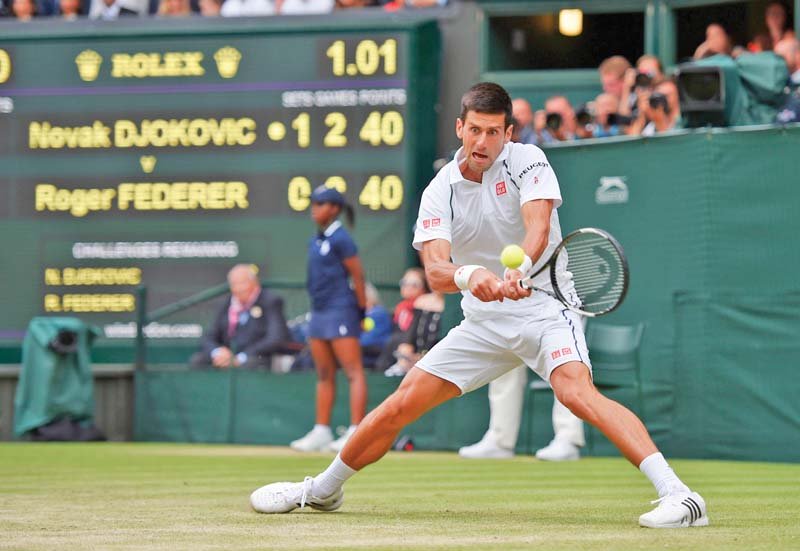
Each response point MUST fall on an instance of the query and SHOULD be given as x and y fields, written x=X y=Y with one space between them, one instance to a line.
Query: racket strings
x=598 y=271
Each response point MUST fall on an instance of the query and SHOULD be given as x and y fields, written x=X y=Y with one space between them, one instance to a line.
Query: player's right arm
x=441 y=272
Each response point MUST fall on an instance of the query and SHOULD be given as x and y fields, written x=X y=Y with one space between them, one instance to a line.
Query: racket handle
x=524 y=284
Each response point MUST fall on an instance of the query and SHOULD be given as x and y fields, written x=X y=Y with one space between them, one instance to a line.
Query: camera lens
x=643 y=80
x=658 y=101
x=553 y=121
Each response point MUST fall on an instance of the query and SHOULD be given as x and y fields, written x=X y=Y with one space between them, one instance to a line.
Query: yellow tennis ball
x=368 y=324
x=512 y=257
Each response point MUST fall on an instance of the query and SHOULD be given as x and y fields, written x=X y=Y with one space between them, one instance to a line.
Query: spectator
x=648 y=72
x=717 y=42
x=70 y=9
x=412 y=286
x=561 y=122
x=337 y=311
x=248 y=329
x=777 y=20
x=353 y=4
x=655 y=115
x=108 y=10
x=210 y=8
x=670 y=90
x=612 y=77
x=789 y=50
x=23 y=10
x=174 y=8
x=605 y=105
x=303 y=7
x=523 y=115
x=421 y=335
x=247 y=8
x=377 y=328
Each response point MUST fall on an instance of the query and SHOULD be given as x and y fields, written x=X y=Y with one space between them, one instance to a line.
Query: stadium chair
x=614 y=352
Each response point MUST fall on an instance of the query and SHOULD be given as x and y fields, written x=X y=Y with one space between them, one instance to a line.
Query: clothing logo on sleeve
x=556 y=354
x=431 y=223
x=531 y=167
x=500 y=188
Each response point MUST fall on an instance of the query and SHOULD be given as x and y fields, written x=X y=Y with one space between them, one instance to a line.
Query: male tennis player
x=492 y=194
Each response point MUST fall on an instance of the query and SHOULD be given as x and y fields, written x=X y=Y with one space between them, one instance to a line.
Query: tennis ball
x=368 y=324
x=512 y=257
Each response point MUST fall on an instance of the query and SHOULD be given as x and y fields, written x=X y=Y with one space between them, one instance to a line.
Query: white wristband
x=525 y=267
x=462 y=275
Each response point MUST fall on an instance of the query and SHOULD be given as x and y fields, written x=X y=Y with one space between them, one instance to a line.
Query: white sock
x=322 y=427
x=332 y=478
x=662 y=476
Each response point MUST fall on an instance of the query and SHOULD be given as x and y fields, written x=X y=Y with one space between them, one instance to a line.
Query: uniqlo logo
x=426 y=223
x=500 y=188
x=566 y=351
x=436 y=222
x=555 y=354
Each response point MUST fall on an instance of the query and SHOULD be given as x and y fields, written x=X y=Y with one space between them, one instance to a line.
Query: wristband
x=525 y=267
x=462 y=275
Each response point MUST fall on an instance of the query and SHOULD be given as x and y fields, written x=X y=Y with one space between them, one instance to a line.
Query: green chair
x=614 y=352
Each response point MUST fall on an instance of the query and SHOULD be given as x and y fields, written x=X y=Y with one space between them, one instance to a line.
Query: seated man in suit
x=248 y=329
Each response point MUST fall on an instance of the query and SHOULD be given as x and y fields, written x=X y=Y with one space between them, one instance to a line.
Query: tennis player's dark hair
x=489 y=98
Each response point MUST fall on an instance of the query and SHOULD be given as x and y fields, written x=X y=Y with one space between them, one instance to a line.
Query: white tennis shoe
x=485 y=448
x=559 y=450
x=318 y=439
x=282 y=497
x=678 y=510
x=338 y=444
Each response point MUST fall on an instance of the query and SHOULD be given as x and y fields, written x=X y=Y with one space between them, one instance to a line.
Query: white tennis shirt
x=479 y=219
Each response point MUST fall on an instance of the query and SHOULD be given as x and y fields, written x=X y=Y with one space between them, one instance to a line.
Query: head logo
x=612 y=190
x=500 y=188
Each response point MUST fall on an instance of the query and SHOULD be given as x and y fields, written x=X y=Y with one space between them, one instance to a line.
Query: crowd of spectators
x=643 y=100
x=26 y=10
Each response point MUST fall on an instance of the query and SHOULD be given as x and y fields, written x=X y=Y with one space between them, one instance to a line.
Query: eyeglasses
x=410 y=283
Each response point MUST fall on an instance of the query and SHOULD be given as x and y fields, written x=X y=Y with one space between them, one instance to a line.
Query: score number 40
x=378 y=193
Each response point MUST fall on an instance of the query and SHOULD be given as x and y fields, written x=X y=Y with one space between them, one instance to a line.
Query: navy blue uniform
x=334 y=308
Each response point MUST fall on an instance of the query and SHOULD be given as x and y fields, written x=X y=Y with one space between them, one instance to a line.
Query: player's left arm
x=536 y=217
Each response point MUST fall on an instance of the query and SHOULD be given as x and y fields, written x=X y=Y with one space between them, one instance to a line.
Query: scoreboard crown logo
x=227 y=60
x=88 y=62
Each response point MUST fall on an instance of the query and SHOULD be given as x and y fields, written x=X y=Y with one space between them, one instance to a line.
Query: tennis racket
x=599 y=272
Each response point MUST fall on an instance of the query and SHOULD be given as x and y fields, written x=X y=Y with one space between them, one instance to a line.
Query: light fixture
x=570 y=22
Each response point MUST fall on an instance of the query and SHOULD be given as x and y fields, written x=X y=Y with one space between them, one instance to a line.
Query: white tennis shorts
x=479 y=350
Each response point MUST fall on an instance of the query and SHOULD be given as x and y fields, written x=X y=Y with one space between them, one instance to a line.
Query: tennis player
x=492 y=194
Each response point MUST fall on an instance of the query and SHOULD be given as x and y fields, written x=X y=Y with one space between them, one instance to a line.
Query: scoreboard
x=162 y=153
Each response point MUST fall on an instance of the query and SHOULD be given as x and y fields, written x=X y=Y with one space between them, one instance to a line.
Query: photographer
x=648 y=72
x=656 y=114
x=560 y=121
x=607 y=120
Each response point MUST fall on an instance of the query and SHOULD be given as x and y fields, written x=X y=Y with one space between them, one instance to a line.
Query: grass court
x=172 y=496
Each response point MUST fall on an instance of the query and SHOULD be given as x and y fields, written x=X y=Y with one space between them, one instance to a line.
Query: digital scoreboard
x=162 y=155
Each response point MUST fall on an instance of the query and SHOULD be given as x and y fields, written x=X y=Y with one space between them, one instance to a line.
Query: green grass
x=164 y=496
